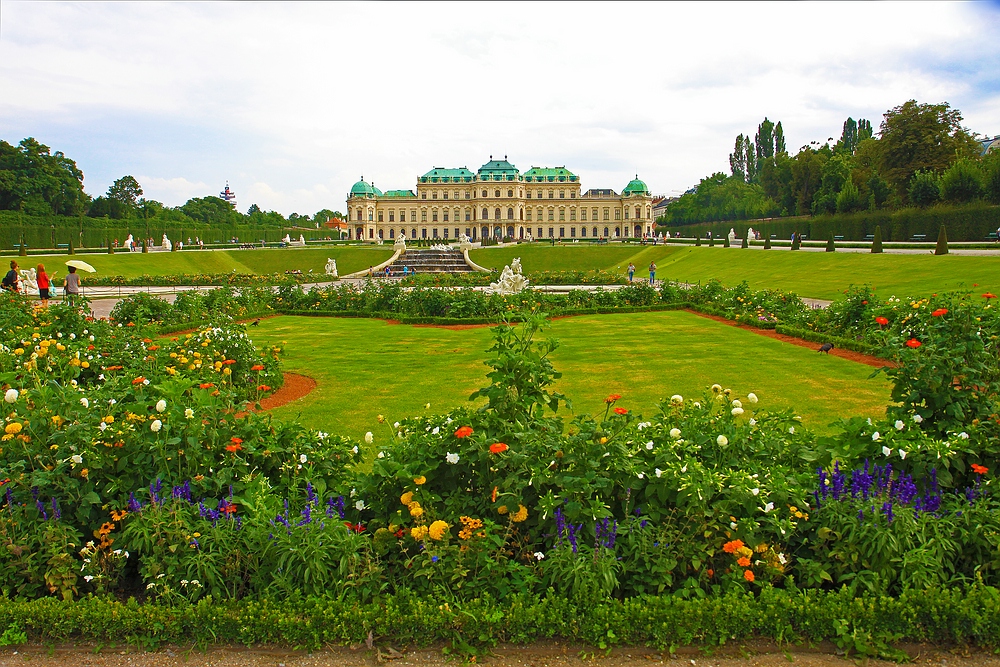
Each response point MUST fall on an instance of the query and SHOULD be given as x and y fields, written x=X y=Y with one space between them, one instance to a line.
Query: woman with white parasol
x=72 y=284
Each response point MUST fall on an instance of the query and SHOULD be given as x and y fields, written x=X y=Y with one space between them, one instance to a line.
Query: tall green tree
x=39 y=182
x=738 y=159
x=924 y=188
x=779 y=140
x=848 y=137
x=864 y=130
x=764 y=141
x=916 y=136
x=126 y=191
x=963 y=182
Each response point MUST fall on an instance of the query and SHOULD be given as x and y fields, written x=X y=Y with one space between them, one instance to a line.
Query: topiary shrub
x=711 y=241
x=767 y=242
x=877 y=241
x=111 y=247
x=725 y=242
x=796 y=241
x=697 y=239
x=942 y=242
x=72 y=250
x=831 y=245
x=745 y=244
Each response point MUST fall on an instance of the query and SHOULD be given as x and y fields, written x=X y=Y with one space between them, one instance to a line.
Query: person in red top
x=43 y=285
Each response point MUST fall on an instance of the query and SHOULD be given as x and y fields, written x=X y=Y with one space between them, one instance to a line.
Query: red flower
x=939 y=312
x=979 y=470
x=147 y=340
x=989 y=295
x=90 y=347
x=864 y=303
x=498 y=447
x=229 y=361
x=463 y=432
x=257 y=367
x=710 y=572
x=233 y=448
x=621 y=411
x=358 y=528
x=881 y=320
x=913 y=343
x=263 y=387
x=733 y=546
x=152 y=348
x=206 y=385
x=139 y=380
x=748 y=575
x=612 y=398
x=235 y=440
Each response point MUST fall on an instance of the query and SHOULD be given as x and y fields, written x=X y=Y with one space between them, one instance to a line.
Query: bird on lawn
x=255 y=323
x=825 y=347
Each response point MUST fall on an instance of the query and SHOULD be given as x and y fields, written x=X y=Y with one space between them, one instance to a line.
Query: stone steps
x=431 y=261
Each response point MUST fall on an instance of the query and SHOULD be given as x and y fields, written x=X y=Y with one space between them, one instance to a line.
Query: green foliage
x=849 y=199
x=942 y=242
x=719 y=197
x=831 y=244
x=962 y=182
x=877 y=240
x=35 y=181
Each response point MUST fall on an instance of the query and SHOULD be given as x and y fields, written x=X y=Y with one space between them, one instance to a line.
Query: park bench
x=62 y=246
x=838 y=238
x=992 y=236
x=919 y=237
x=869 y=237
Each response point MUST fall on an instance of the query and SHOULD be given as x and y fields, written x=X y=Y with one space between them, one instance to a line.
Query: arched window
x=497 y=193
x=484 y=193
x=510 y=193
x=486 y=214
x=370 y=212
x=510 y=215
x=497 y=214
x=521 y=212
x=359 y=215
x=595 y=231
x=605 y=232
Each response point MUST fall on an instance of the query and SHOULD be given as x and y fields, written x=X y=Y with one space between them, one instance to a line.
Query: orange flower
x=612 y=398
x=979 y=470
x=463 y=432
x=494 y=497
x=227 y=362
x=233 y=448
x=206 y=385
x=263 y=387
x=743 y=562
x=732 y=547
x=257 y=367
x=881 y=320
x=939 y=312
x=153 y=348
x=913 y=343
x=710 y=572
x=139 y=380
x=989 y=295
x=748 y=575
x=236 y=441
x=621 y=411
x=498 y=447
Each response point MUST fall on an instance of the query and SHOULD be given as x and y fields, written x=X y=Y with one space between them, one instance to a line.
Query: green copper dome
x=635 y=187
x=364 y=189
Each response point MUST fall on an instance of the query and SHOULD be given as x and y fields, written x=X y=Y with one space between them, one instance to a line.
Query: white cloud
x=306 y=97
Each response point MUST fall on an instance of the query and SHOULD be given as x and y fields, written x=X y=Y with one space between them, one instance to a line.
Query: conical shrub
x=942 y=242
x=725 y=243
x=745 y=244
x=831 y=245
x=72 y=250
x=767 y=242
x=796 y=241
x=877 y=242
x=697 y=239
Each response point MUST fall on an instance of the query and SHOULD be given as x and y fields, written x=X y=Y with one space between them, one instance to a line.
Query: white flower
x=381 y=455
x=188 y=413
x=11 y=395
x=452 y=458
x=697 y=404
x=675 y=433
x=303 y=458
x=737 y=403
x=195 y=582
x=112 y=401
x=684 y=468
x=149 y=585
x=768 y=507
x=369 y=438
x=102 y=426
x=886 y=450
x=88 y=578
x=649 y=445
x=354 y=449
x=91 y=338
x=76 y=458
x=732 y=524
x=72 y=336
x=716 y=388
x=753 y=422
x=641 y=476
x=184 y=582
x=161 y=405
x=791 y=429
x=676 y=399
x=427 y=407
x=117 y=552
x=436 y=430
x=156 y=426
x=899 y=424
x=755 y=491
x=782 y=559
x=658 y=472
x=396 y=425
x=875 y=436
x=917 y=418
x=145 y=382
x=85 y=402
x=963 y=435
x=752 y=397
x=539 y=555
x=902 y=454
x=722 y=440
x=360 y=505
x=101 y=376
x=737 y=412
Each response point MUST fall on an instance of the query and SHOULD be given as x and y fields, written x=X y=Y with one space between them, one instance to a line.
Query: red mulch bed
x=296 y=386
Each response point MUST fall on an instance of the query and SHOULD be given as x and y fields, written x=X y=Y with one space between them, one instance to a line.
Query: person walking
x=43 y=285
x=631 y=271
x=11 y=280
x=72 y=286
x=652 y=273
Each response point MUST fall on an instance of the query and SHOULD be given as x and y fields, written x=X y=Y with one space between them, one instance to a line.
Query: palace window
x=607 y=215
x=562 y=215
x=434 y=216
x=618 y=214
x=572 y=231
x=445 y=216
x=593 y=212
x=529 y=215
x=551 y=194
x=423 y=232
x=510 y=193
x=496 y=193
x=486 y=214
x=572 y=214
x=445 y=195
x=371 y=233
x=626 y=214
x=583 y=214
x=359 y=215
x=380 y=216
x=638 y=212
x=484 y=193
x=446 y=232
x=402 y=216
x=605 y=232
x=456 y=232
x=423 y=195
x=413 y=215
x=423 y=216
x=550 y=232
x=467 y=215
x=572 y=194
x=510 y=214
x=583 y=232
x=392 y=216
x=370 y=215
x=539 y=232
x=496 y=214
x=434 y=196
x=413 y=233
x=552 y=214
x=562 y=232
x=562 y=194
x=529 y=194
x=595 y=231
x=435 y=232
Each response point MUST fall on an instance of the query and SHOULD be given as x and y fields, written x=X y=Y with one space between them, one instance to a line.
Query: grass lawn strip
x=809 y=274
x=366 y=367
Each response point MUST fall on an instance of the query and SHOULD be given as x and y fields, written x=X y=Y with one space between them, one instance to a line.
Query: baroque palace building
x=500 y=202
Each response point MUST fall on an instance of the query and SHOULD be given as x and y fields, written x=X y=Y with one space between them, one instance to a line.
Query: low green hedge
x=868 y=625
x=842 y=343
x=405 y=319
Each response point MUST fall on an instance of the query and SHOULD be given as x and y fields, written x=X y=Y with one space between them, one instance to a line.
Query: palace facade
x=498 y=201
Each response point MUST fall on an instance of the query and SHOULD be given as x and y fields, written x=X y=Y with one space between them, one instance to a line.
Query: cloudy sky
x=291 y=103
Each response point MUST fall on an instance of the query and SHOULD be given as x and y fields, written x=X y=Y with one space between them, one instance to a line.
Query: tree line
x=37 y=182
x=921 y=155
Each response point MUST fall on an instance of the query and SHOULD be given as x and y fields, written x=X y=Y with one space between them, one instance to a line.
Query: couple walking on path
x=652 y=272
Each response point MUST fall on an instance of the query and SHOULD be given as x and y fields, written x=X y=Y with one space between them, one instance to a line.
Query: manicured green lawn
x=368 y=367
x=270 y=260
x=809 y=274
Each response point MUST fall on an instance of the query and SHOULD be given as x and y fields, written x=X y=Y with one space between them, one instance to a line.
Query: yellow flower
x=19 y=351
x=502 y=509
x=13 y=428
x=109 y=419
x=416 y=511
x=227 y=371
x=74 y=362
x=85 y=364
x=406 y=498
x=520 y=515
x=418 y=532
x=761 y=548
x=437 y=530
x=603 y=440
x=419 y=480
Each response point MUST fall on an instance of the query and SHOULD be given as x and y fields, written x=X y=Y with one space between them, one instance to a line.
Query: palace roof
x=364 y=189
x=635 y=187
x=406 y=194
x=498 y=170
x=550 y=175
x=442 y=175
